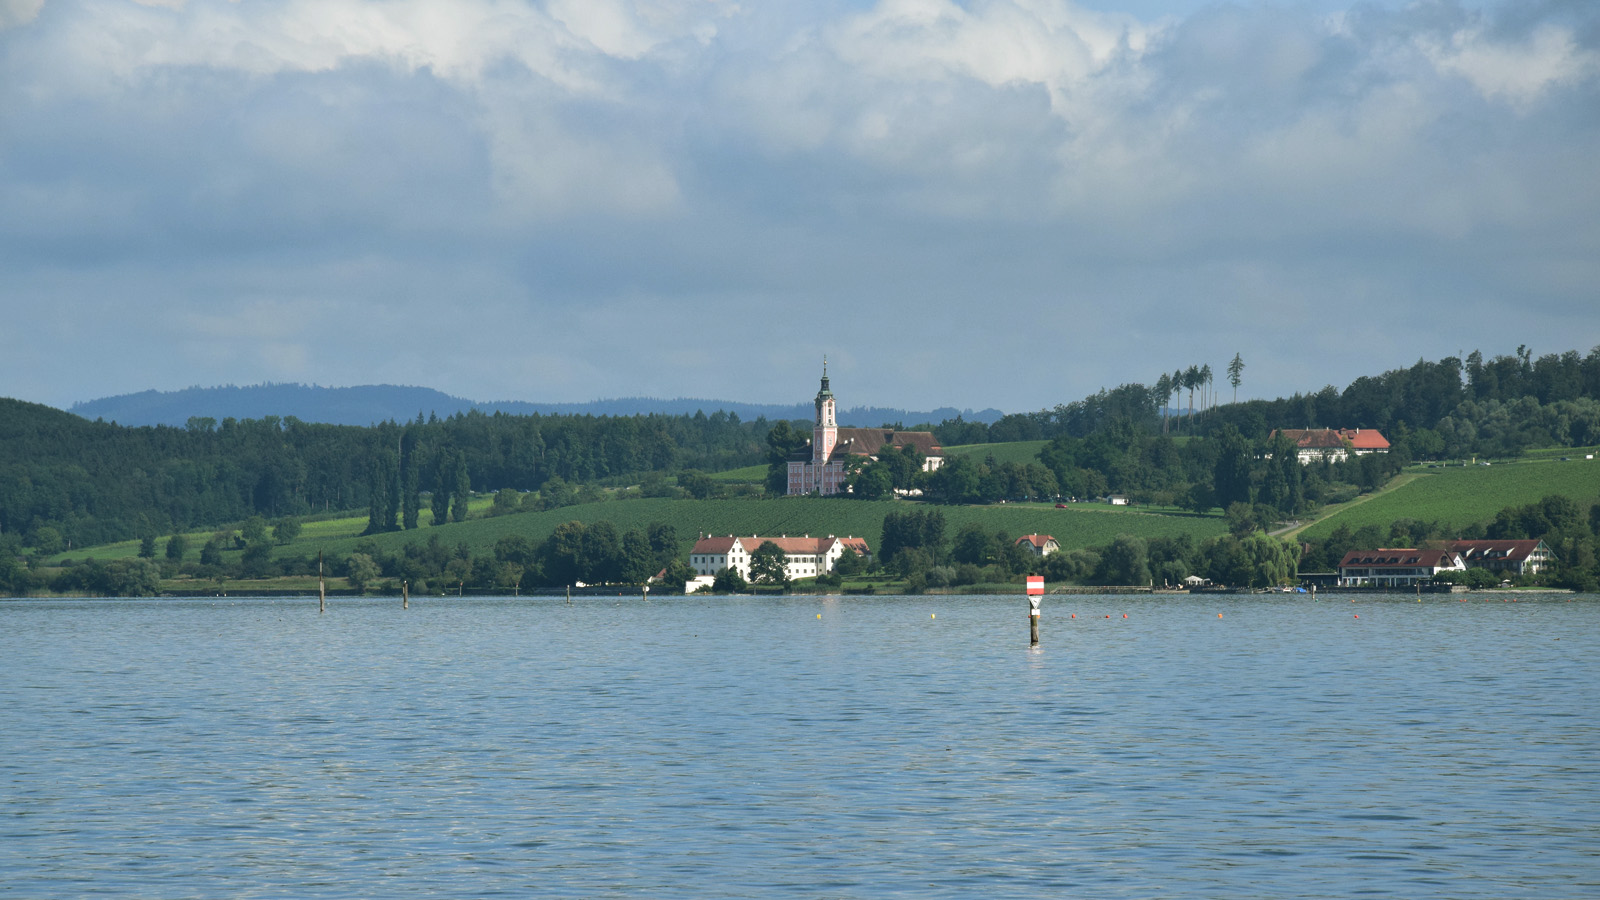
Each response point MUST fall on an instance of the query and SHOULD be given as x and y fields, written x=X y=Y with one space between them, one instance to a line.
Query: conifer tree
x=463 y=488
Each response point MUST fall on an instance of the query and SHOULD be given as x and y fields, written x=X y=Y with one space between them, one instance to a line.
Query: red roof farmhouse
x=1335 y=445
x=1039 y=544
x=819 y=467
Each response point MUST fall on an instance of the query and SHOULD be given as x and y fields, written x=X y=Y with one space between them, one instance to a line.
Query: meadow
x=1013 y=452
x=1460 y=496
x=1077 y=526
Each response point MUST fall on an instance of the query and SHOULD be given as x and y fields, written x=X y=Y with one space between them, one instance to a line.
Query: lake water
x=726 y=747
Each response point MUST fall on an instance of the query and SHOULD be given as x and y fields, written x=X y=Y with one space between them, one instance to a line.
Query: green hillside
x=1463 y=495
x=1015 y=451
x=1074 y=527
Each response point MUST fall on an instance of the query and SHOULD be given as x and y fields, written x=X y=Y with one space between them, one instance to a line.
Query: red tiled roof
x=871 y=441
x=715 y=544
x=789 y=545
x=1037 y=540
x=1511 y=551
x=1330 y=439
x=1408 y=558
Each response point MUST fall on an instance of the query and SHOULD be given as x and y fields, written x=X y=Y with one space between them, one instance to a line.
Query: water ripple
x=735 y=748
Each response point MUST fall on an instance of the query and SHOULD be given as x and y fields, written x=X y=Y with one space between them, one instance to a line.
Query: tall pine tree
x=463 y=489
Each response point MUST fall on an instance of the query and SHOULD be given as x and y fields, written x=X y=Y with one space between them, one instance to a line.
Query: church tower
x=825 y=433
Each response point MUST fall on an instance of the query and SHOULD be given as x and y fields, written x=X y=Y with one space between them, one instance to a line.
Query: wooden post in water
x=1035 y=595
x=405 y=595
x=322 y=587
x=569 y=595
x=644 y=594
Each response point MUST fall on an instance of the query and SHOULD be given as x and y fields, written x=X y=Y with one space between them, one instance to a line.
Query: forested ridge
x=1495 y=406
x=92 y=482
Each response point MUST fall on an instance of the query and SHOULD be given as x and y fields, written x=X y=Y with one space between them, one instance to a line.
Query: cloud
x=1516 y=71
x=934 y=184
x=18 y=12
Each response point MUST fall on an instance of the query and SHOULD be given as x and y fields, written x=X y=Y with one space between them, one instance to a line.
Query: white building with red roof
x=1517 y=557
x=819 y=467
x=803 y=557
x=1396 y=568
x=1335 y=445
x=1041 y=545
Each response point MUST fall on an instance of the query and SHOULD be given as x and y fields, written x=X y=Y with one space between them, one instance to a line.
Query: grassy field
x=1080 y=525
x=746 y=475
x=1015 y=451
x=1464 y=495
x=1073 y=527
x=1573 y=453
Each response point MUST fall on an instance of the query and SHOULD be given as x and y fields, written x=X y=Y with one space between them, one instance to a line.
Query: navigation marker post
x=322 y=587
x=405 y=594
x=1035 y=595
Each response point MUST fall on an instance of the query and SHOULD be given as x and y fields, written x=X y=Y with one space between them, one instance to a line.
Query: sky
x=989 y=203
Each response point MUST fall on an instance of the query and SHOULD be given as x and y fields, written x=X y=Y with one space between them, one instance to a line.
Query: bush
x=729 y=581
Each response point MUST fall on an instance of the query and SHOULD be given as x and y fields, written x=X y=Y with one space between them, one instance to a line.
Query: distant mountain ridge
x=369 y=404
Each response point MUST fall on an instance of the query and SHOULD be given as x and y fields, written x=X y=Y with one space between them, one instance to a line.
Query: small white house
x=1040 y=545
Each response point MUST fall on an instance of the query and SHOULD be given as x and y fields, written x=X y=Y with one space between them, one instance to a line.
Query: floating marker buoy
x=933 y=615
x=1124 y=615
x=1219 y=615
x=1073 y=616
x=1358 y=617
x=819 y=615
x=1108 y=617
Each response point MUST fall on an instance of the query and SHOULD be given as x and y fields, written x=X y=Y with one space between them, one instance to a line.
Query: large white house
x=1516 y=557
x=1396 y=568
x=803 y=557
x=819 y=467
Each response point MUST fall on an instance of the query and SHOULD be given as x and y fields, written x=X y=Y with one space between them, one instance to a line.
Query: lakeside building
x=819 y=467
x=803 y=557
x=1396 y=568
x=1334 y=445
x=1515 y=557
x=1040 y=545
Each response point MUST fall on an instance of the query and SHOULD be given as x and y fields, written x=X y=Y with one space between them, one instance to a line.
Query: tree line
x=95 y=482
x=1455 y=406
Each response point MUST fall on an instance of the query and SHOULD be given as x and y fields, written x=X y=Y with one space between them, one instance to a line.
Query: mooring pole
x=569 y=595
x=1035 y=596
x=322 y=587
x=405 y=595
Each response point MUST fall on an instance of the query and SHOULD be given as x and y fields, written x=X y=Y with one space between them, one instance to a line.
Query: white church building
x=819 y=468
